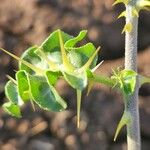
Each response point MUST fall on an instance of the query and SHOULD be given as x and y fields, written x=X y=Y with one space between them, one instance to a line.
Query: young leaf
x=76 y=59
x=126 y=80
x=12 y=109
x=72 y=42
x=129 y=81
x=23 y=85
x=31 y=57
x=76 y=80
x=45 y=94
x=11 y=93
x=82 y=53
x=52 y=43
x=52 y=77
x=45 y=58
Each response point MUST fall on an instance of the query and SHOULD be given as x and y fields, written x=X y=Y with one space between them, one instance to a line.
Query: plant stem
x=133 y=128
x=101 y=79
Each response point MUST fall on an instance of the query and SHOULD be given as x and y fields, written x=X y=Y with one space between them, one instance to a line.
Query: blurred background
x=28 y=22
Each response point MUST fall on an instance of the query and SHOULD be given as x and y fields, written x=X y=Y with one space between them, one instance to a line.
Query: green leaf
x=23 y=85
x=30 y=56
x=52 y=50
x=11 y=93
x=12 y=109
x=72 y=42
x=55 y=57
x=89 y=73
x=45 y=94
x=126 y=80
x=78 y=80
x=52 y=77
x=76 y=59
x=129 y=81
x=52 y=43
x=80 y=55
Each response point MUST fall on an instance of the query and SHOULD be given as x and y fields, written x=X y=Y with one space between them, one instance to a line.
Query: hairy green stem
x=133 y=128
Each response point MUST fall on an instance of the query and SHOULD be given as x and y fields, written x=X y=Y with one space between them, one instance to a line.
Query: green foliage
x=60 y=56
x=11 y=93
x=12 y=109
x=125 y=80
x=45 y=95
x=40 y=67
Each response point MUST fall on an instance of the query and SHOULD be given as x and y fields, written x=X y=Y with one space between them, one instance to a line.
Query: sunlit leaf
x=81 y=53
x=52 y=43
x=23 y=85
x=12 y=109
x=77 y=80
x=11 y=93
x=30 y=56
x=45 y=94
x=129 y=81
x=52 y=77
